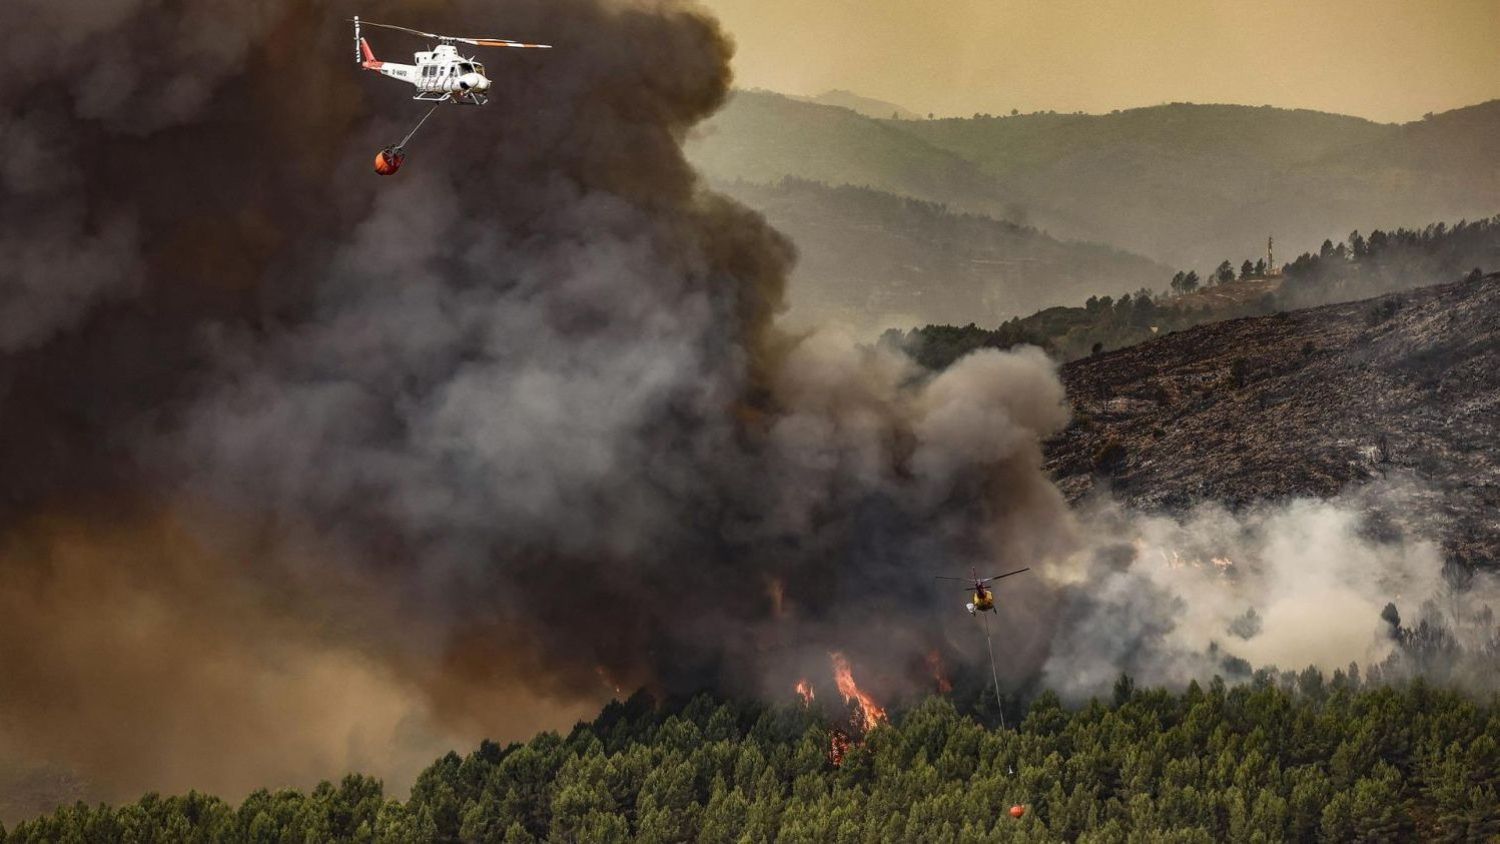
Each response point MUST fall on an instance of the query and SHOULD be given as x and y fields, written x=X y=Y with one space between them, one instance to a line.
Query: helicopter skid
x=466 y=98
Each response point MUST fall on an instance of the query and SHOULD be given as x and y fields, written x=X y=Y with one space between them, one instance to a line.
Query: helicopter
x=984 y=601
x=440 y=75
x=984 y=597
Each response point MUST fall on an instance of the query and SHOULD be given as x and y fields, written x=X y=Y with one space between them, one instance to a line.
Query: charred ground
x=1303 y=403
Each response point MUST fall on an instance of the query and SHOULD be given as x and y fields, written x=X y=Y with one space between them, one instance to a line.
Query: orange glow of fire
x=838 y=746
x=1175 y=560
x=805 y=689
x=870 y=713
x=606 y=679
x=776 y=591
x=939 y=673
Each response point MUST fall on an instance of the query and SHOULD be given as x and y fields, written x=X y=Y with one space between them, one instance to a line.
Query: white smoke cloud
x=1168 y=598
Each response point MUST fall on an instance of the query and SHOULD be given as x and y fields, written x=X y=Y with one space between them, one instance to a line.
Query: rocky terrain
x=1305 y=403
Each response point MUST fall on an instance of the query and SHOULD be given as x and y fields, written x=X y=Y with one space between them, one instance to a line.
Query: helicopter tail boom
x=369 y=61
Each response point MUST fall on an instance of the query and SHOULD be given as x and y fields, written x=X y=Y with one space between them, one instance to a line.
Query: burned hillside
x=1304 y=403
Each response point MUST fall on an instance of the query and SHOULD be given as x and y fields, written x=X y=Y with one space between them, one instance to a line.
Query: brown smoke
x=140 y=658
x=511 y=427
x=194 y=245
x=305 y=470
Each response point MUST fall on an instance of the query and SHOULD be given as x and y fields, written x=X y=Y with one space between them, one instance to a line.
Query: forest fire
x=1174 y=559
x=805 y=689
x=864 y=715
x=870 y=713
x=939 y=672
x=838 y=746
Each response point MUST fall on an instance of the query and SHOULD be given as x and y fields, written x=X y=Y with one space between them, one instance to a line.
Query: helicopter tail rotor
x=363 y=55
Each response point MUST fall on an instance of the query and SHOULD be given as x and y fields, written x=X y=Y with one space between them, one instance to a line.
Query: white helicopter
x=440 y=75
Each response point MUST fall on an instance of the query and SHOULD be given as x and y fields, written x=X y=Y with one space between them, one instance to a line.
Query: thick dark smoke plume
x=306 y=470
x=510 y=428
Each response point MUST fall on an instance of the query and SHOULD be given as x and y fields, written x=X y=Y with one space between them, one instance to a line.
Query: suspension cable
x=999 y=704
x=404 y=141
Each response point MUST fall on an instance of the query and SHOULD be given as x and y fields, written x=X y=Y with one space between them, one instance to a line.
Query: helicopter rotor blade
x=478 y=42
x=1007 y=574
x=500 y=42
x=963 y=579
x=416 y=32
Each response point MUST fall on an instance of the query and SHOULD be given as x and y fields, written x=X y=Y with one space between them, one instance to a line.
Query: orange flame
x=838 y=745
x=939 y=673
x=805 y=689
x=1175 y=560
x=870 y=712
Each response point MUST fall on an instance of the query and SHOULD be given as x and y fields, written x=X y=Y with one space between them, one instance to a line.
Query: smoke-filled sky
x=1388 y=60
x=312 y=471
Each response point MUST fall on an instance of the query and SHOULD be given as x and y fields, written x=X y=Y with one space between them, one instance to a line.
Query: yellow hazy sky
x=1389 y=60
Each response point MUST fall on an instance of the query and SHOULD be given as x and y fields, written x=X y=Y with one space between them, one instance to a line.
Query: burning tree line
x=1293 y=756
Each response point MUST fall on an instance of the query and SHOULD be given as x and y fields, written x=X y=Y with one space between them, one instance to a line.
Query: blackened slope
x=1303 y=403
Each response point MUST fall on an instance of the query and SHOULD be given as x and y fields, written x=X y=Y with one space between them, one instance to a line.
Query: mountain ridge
x=1184 y=184
x=870 y=259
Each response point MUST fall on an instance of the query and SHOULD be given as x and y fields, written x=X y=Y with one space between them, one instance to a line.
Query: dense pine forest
x=1286 y=757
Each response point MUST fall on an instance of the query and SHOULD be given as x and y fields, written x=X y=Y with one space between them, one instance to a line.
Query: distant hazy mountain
x=1193 y=184
x=763 y=137
x=1188 y=185
x=867 y=106
x=873 y=260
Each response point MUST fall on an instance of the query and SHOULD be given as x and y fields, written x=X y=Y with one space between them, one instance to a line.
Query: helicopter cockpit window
x=465 y=68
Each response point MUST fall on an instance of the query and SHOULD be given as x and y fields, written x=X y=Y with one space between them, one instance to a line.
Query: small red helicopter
x=984 y=597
